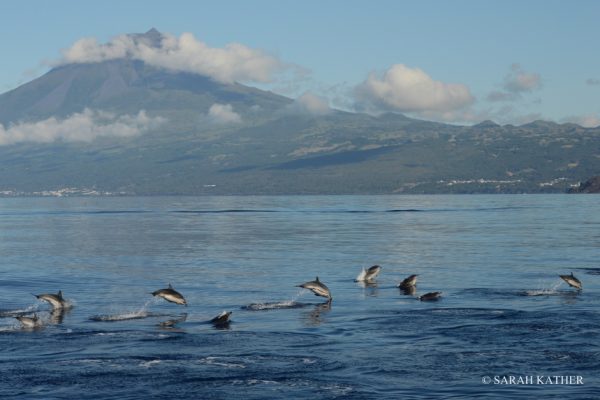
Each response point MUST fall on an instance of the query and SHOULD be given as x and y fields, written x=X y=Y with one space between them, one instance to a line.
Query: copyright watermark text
x=532 y=380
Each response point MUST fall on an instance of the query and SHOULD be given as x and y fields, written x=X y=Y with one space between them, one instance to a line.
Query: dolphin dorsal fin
x=317 y=279
x=170 y=287
x=59 y=294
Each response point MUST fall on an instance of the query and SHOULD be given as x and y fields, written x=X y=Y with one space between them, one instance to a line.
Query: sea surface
x=504 y=311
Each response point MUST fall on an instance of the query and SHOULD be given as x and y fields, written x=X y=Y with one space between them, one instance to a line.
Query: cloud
x=466 y=116
x=587 y=121
x=592 y=82
x=223 y=114
x=406 y=89
x=515 y=83
x=518 y=80
x=234 y=62
x=79 y=127
x=312 y=104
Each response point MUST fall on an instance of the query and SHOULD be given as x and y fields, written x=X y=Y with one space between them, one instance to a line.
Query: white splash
x=362 y=276
x=148 y=364
x=301 y=292
x=69 y=304
x=544 y=291
x=16 y=326
x=13 y=313
x=292 y=303
x=141 y=313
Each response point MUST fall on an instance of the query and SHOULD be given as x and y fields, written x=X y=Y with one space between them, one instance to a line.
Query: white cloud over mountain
x=79 y=127
x=311 y=104
x=587 y=121
x=234 y=62
x=223 y=114
x=406 y=89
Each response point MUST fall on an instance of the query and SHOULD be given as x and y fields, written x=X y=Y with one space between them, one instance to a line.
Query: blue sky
x=510 y=61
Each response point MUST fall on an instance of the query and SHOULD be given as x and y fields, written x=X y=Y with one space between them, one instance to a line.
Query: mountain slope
x=124 y=86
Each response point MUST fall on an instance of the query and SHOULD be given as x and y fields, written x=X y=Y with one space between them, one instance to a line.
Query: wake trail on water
x=126 y=315
x=278 y=305
x=15 y=326
x=19 y=312
x=544 y=291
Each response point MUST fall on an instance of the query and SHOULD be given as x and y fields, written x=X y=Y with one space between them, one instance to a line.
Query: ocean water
x=504 y=311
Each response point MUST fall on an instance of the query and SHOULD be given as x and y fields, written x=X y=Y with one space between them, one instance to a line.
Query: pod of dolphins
x=407 y=286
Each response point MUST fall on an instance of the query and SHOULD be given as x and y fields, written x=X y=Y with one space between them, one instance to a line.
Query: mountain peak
x=152 y=31
x=539 y=124
x=151 y=38
x=486 y=124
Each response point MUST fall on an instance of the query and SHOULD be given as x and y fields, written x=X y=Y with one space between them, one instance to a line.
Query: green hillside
x=275 y=148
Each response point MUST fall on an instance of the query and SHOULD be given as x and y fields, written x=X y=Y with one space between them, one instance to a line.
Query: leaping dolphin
x=30 y=322
x=56 y=300
x=367 y=275
x=171 y=295
x=222 y=319
x=431 y=296
x=572 y=281
x=408 y=283
x=318 y=288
